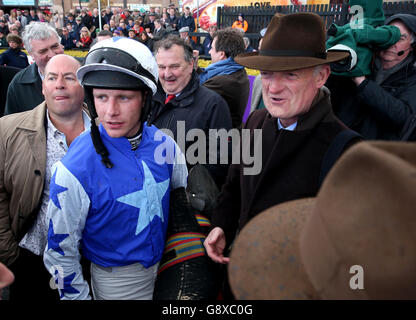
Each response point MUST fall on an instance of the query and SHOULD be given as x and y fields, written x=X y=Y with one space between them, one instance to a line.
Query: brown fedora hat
x=292 y=41
x=355 y=240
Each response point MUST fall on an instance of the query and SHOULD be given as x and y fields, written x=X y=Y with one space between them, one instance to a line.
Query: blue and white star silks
x=55 y=189
x=55 y=239
x=107 y=212
x=148 y=200
x=65 y=231
x=68 y=288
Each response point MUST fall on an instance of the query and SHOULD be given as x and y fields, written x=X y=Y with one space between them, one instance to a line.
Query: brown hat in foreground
x=292 y=41
x=355 y=240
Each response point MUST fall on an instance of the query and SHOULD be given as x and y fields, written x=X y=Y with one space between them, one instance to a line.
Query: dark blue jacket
x=77 y=30
x=68 y=43
x=199 y=108
x=206 y=46
x=173 y=21
x=14 y=58
x=187 y=22
x=107 y=18
x=25 y=91
x=30 y=18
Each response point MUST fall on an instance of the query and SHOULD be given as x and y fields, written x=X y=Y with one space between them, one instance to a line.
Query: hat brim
x=265 y=261
x=254 y=60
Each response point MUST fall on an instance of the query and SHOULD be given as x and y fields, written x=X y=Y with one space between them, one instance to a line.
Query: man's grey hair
x=38 y=31
x=171 y=40
x=246 y=41
x=317 y=69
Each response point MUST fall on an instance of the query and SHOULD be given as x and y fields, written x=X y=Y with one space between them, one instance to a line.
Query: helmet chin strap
x=95 y=133
x=147 y=106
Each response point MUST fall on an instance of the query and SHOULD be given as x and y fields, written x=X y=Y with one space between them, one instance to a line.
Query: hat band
x=293 y=53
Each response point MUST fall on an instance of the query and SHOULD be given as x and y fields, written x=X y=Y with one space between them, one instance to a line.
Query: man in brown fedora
x=298 y=127
x=355 y=240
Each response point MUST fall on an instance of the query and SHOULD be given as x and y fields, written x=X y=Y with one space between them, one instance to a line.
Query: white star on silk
x=148 y=200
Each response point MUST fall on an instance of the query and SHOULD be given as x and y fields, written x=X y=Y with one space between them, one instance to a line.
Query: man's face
x=289 y=94
x=112 y=23
x=390 y=56
x=44 y=50
x=174 y=72
x=157 y=25
x=183 y=35
x=216 y=55
x=187 y=12
x=172 y=12
x=64 y=31
x=63 y=93
x=119 y=111
x=69 y=27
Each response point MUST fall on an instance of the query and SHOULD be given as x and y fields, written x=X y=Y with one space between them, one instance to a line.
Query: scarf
x=227 y=66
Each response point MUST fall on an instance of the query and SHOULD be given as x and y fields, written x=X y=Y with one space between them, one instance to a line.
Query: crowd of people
x=94 y=159
x=78 y=28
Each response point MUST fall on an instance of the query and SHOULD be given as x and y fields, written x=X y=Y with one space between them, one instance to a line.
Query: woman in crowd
x=85 y=39
x=145 y=39
x=133 y=35
x=137 y=26
x=241 y=23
